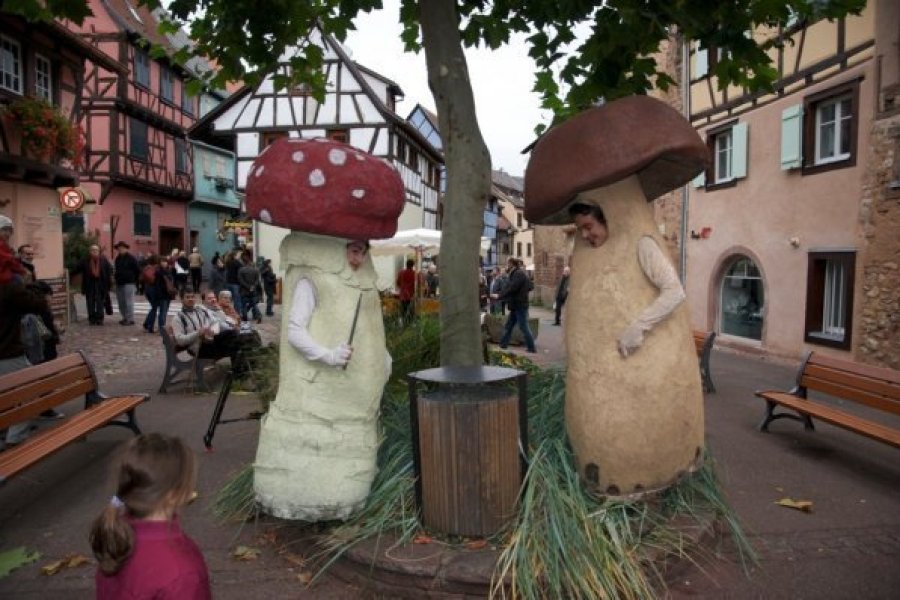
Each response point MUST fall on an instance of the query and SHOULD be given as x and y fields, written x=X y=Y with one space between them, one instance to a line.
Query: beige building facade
x=794 y=230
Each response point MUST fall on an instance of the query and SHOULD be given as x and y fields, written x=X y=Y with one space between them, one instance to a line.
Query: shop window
x=829 y=298
x=742 y=300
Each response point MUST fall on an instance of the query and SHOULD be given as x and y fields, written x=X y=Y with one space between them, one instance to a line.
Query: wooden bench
x=876 y=387
x=25 y=394
x=174 y=364
x=703 y=342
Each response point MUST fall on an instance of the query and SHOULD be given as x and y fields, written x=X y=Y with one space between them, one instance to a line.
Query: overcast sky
x=508 y=110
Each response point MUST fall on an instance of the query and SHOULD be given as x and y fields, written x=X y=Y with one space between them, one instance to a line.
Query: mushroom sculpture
x=634 y=405
x=318 y=442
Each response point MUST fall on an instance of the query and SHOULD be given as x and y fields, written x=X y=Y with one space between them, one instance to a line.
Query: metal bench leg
x=769 y=417
x=217 y=412
x=131 y=423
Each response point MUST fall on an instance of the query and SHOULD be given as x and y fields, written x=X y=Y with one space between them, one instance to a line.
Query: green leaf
x=15 y=558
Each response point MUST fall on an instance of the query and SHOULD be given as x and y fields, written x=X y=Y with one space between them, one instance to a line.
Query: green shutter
x=739 y=150
x=792 y=137
x=700 y=180
x=701 y=67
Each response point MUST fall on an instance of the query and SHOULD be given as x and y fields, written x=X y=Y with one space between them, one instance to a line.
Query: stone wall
x=877 y=337
x=553 y=244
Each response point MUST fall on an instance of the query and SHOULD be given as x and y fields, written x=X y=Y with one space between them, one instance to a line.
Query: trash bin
x=469 y=428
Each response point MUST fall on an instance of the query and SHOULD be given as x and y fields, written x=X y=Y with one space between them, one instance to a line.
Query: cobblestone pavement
x=847 y=547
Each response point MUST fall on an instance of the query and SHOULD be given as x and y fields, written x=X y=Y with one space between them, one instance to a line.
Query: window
x=742 y=300
x=138 y=142
x=728 y=148
x=338 y=135
x=401 y=150
x=519 y=221
x=166 y=84
x=43 y=78
x=181 y=157
x=142 y=224
x=10 y=65
x=829 y=298
x=829 y=129
x=141 y=67
x=833 y=121
x=187 y=101
x=519 y=249
x=528 y=250
x=268 y=137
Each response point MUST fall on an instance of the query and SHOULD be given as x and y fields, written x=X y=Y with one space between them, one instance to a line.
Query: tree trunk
x=468 y=182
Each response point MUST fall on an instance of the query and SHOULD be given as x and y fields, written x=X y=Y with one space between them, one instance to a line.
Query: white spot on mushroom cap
x=358 y=194
x=297 y=156
x=265 y=216
x=359 y=157
x=337 y=157
x=259 y=171
x=316 y=178
x=318 y=139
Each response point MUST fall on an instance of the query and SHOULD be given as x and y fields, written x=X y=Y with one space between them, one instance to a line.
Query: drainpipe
x=685 y=190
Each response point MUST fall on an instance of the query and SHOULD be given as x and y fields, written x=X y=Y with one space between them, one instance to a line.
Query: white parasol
x=407 y=242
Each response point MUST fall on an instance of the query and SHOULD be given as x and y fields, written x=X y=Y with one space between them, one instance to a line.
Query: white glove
x=338 y=357
x=630 y=340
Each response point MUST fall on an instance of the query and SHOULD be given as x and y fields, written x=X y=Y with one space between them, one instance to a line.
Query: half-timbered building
x=41 y=83
x=139 y=163
x=794 y=228
x=358 y=109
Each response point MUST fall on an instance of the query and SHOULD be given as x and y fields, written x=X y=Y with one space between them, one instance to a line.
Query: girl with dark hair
x=137 y=540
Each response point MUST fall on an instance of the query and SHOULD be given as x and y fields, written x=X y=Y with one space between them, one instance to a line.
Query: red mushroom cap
x=325 y=187
x=600 y=146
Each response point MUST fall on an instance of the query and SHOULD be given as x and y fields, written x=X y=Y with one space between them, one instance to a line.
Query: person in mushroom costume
x=318 y=442
x=634 y=405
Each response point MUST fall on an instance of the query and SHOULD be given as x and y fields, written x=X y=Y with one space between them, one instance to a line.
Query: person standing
x=562 y=292
x=25 y=253
x=498 y=286
x=269 y=280
x=137 y=540
x=127 y=273
x=406 y=289
x=10 y=265
x=156 y=290
x=432 y=281
x=96 y=275
x=516 y=297
x=195 y=262
x=182 y=269
x=233 y=264
x=248 y=279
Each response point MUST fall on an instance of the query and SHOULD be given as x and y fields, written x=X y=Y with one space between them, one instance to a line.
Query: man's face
x=209 y=301
x=95 y=250
x=592 y=231
x=6 y=233
x=356 y=254
x=27 y=254
x=189 y=300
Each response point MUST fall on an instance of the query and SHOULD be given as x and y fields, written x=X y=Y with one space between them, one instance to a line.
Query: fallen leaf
x=305 y=577
x=15 y=558
x=68 y=562
x=294 y=559
x=804 y=505
x=245 y=553
x=268 y=537
x=422 y=539
x=476 y=544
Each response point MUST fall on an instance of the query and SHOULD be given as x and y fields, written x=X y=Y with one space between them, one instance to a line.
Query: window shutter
x=700 y=180
x=701 y=67
x=791 y=137
x=739 y=150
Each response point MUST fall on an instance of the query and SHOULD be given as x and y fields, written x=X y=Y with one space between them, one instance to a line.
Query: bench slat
x=839 y=418
x=35 y=388
x=882 y=373
x=35 y=406
x=14 y=460
x=848 y=392
x=818 y=372
x=16 y=379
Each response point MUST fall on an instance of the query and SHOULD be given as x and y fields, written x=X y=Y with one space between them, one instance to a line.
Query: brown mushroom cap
x=325 y=187
x=634 y=135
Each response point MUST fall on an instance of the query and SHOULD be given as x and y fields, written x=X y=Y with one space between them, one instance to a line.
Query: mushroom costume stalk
x=634 y=405
x=318 y=443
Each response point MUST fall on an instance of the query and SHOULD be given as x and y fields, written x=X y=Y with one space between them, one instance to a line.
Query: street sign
x=71 y=199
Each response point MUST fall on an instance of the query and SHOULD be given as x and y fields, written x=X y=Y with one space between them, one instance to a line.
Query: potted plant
x=46 y=134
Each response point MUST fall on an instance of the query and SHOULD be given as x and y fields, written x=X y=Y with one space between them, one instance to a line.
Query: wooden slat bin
x=468 y=460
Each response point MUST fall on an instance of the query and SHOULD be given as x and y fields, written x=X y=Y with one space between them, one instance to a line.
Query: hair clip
x=116 y=502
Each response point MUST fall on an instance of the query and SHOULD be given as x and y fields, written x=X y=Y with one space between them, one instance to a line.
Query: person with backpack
x=516 y=297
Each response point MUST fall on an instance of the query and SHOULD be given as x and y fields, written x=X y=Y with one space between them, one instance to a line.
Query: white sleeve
x=659 y=270
x=302 y=307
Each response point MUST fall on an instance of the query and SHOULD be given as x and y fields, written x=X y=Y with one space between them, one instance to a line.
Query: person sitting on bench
x=197 y=331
